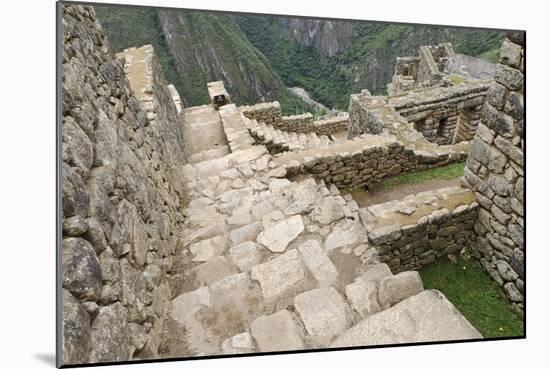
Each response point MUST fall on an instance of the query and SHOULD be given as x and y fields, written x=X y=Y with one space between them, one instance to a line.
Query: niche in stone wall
x=442 y=127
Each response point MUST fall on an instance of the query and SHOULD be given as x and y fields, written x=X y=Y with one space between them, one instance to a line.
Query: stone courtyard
x=226 y=229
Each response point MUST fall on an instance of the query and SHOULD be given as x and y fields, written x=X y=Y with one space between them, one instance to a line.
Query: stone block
x=276 y=332
x=277 y=237
x=345 y=233
x=245 y=255
x=245 y=233
x=398 y=287
x=363 y=296
x=425 y=317
x=318 y=263
x=279 y=275
x=509 y=77
x=323 y=313
x=238 y=344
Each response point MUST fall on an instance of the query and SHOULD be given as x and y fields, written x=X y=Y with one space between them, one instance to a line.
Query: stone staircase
x=272 y=265
x=278 y=140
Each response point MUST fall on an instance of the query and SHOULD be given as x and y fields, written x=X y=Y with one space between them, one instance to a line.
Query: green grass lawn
x=475 y=295
x=447 y=172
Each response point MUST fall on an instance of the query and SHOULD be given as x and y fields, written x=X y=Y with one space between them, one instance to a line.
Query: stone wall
x=468 y=121
x=299 y=123
x=121 y=188
x=436 y=111
x=269 y=112
x=330 y=125
x=431 y=65
x=495 y=171
x=364 y=161
x=412 y=232
x=176 y=97
x=373 y=114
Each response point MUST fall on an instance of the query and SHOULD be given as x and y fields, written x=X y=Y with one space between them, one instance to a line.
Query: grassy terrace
x=447 y=172
x=476 y=295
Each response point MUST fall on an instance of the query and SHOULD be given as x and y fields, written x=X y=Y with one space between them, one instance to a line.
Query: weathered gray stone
x=77 y=149
x=207 y=249
x=129 y=229
x=376 y=272
x=425 y=317
x=75 y=199
x=396 y=288
x=109 y=338
x=276 y=238
x=279 y=274
x=105 y=141
x=80 y=269
x=213 y=270
x=245 y=233
x=323 y=312
x=318 y=263
x=327 y=212
x=363 y=296
x=495 y=97
x=509 y=77
x=138 y=335
x=345 y=233
x=133 y=292
x=385 y=234
x=499 y=215
x=512 y=292
x=500 y=185
x=95 y=235
x=238 y=344
x=245 y=255
x=276 y=332
x=518 y=262
x=506 y=271
x=510 y=53
x=76 y=331
x=74 y=226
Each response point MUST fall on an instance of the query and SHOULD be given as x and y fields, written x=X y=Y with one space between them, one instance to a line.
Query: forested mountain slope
x=257 y=56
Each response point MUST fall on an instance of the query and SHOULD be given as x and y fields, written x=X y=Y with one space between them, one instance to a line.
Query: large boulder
x=110 y=340
x=76 y=331
x=425 y=317
x=80 y=269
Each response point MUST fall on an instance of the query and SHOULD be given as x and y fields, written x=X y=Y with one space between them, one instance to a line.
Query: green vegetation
x=207 y=46
x=456 y=79
x=447 y=172
x=368 y=62
x=259 y=57
x=468 y=286
x=133 y=27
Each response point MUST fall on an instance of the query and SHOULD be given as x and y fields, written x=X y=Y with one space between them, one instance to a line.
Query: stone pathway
x=273 y=265
x=203 y=134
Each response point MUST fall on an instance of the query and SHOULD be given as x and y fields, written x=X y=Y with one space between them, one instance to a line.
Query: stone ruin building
x=225 y=229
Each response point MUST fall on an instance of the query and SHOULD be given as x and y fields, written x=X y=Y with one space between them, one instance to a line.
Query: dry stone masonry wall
x=414 y=231
x=122 y=193
x=270 y=113
x=436 y=112
x=363 y=161
x=495 y=171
